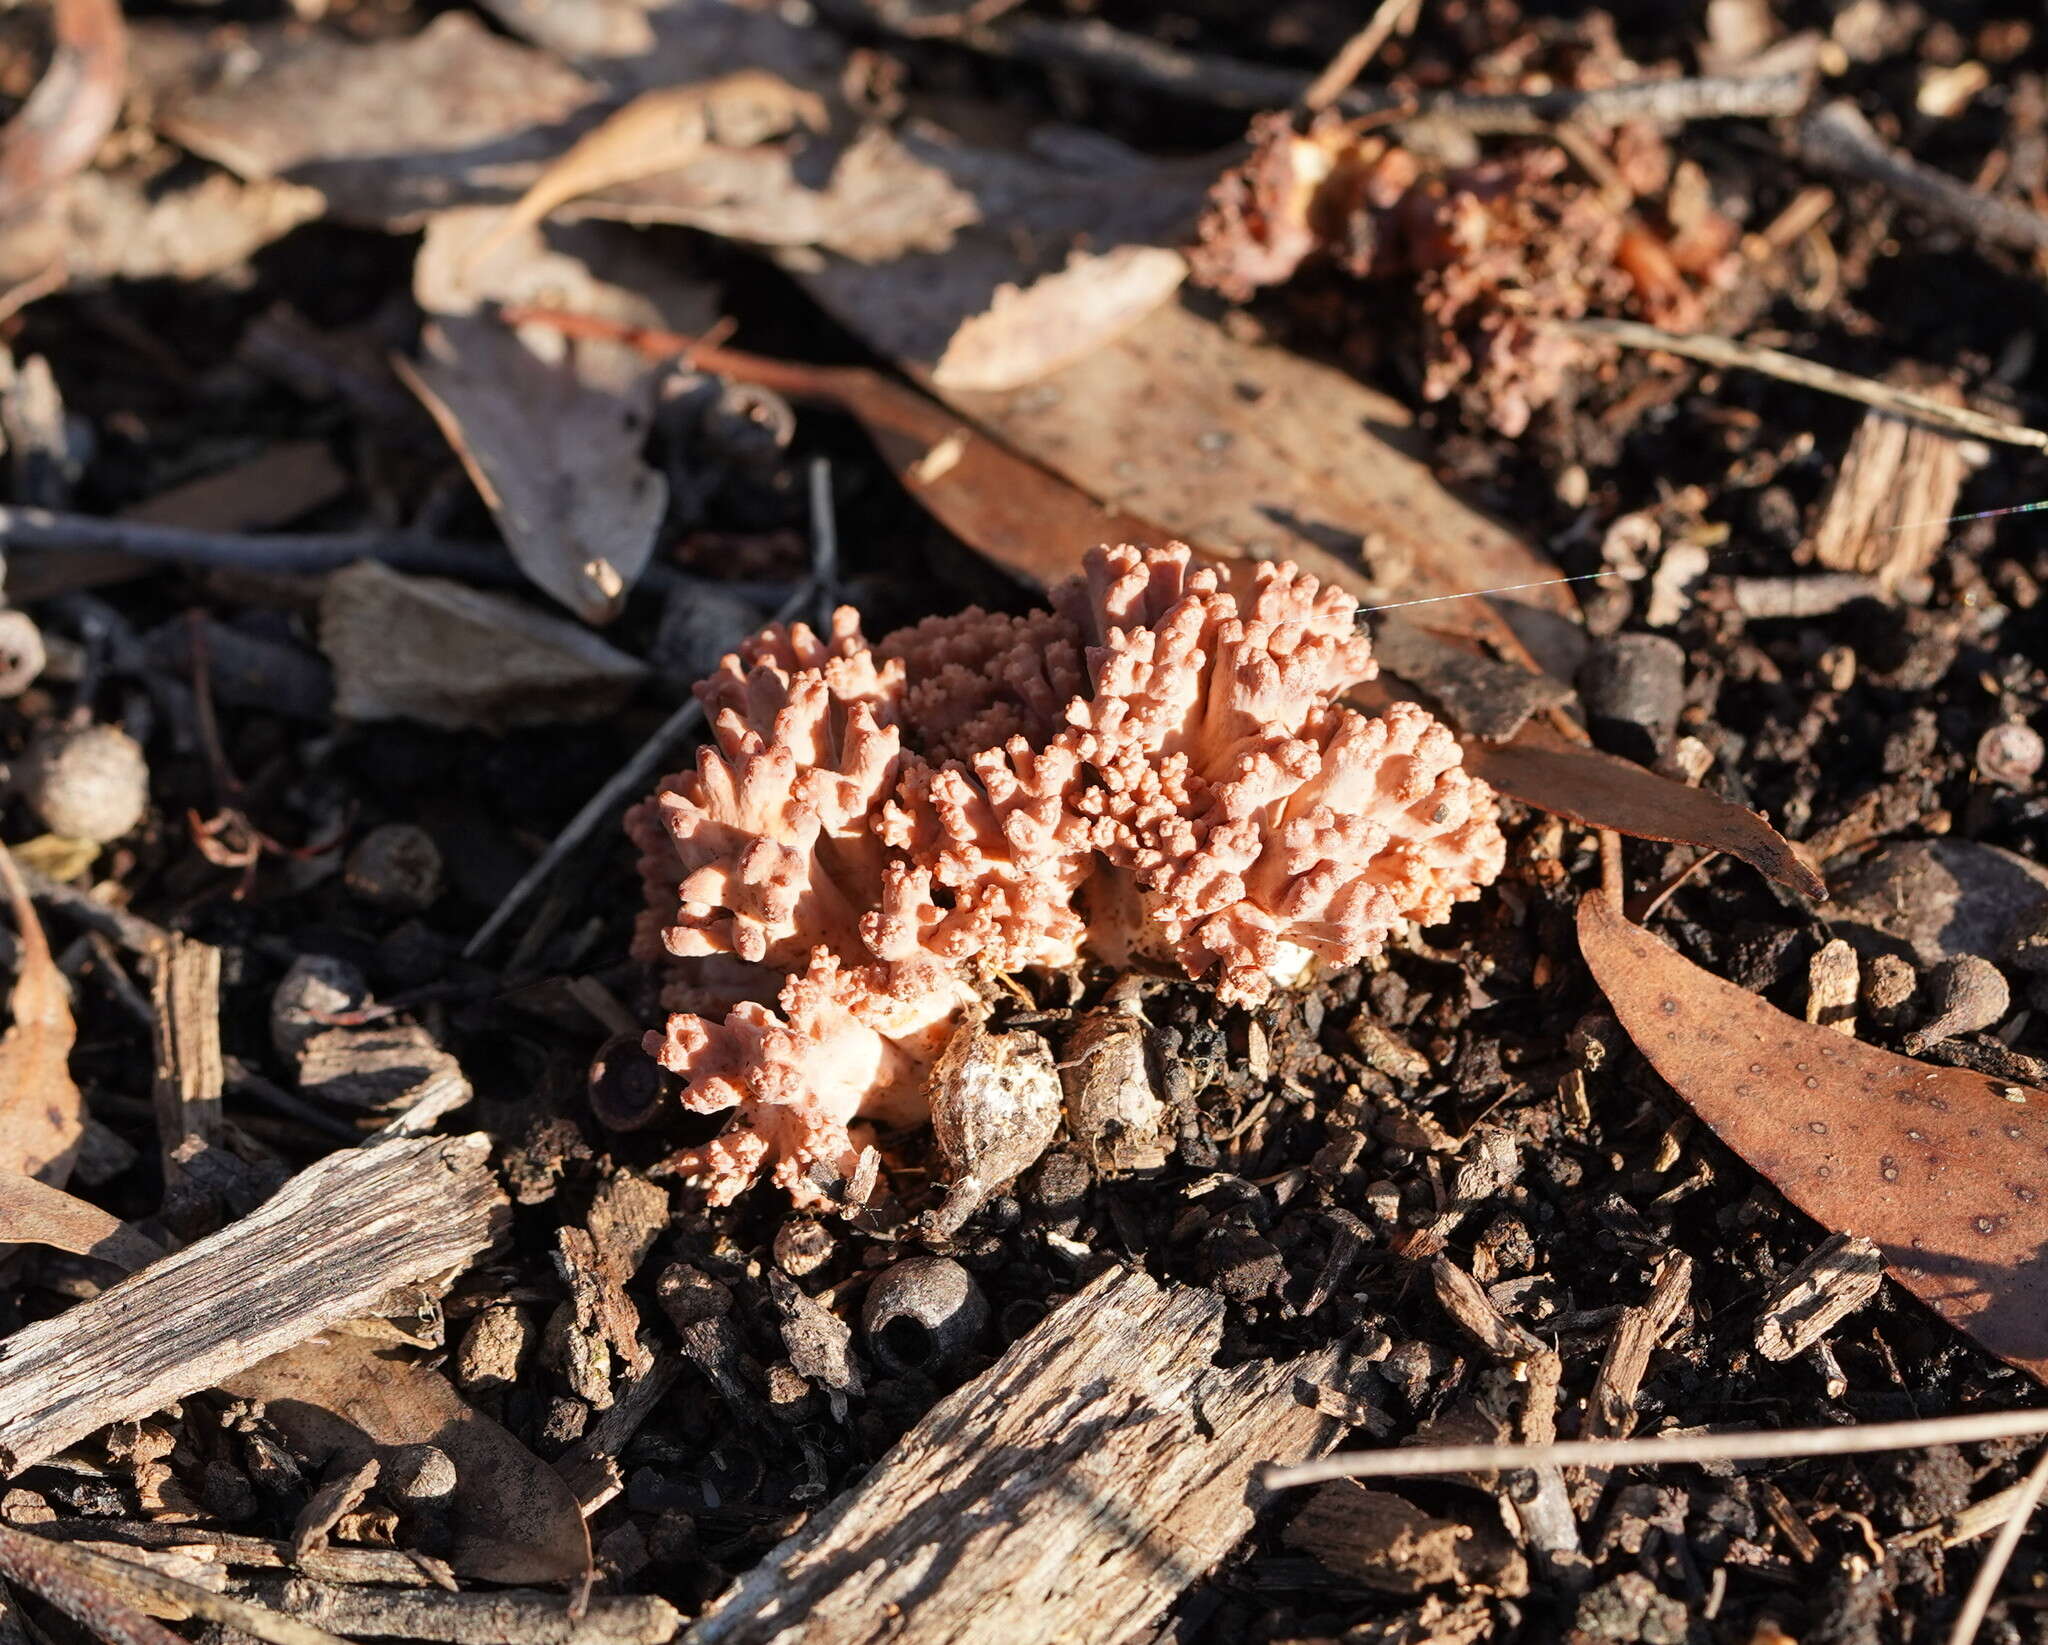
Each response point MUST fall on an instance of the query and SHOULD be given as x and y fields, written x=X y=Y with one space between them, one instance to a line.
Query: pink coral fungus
x=1154 y=771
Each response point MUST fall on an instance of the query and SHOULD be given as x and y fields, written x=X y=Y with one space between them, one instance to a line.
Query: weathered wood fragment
x=1071 y=1491
x=1886 y=513
x=325 y=1247
x=513 y=1616
x=1840 y=1276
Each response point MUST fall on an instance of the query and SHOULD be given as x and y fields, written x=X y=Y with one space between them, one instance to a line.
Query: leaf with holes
x=1943 y=1168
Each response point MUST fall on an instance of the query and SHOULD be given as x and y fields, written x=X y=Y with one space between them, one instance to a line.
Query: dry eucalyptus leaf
x=1027 y=332
x=388 y=131
x=1940 y=1166
x=658 y=131
x=426 y=649
x=346 y=1398
x=34 y=1213
x=1033 y=524
x=1602 y=791
x=557 y=462
x=876 y=201
x=550 y=427
x=42 y=1115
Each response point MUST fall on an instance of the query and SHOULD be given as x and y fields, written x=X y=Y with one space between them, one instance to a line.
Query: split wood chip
x=34 y=1213
x=42 y=1114
x=427 y=649
x=1603 y=791
x=384 y=1566
x=323 y=1249
x=1072 y=1491
x=350 y=1399
x=1611 y=1407
x=190 y=1073
x=1886 y=515
x=1939 y=1166
x=1809 y=1302
x=1833 y=978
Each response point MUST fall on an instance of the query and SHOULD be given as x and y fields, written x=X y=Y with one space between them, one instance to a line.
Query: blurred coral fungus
x=1153 y=771
x=1493 y=249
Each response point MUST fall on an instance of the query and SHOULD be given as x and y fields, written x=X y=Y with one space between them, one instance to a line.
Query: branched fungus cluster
x=1156 y=772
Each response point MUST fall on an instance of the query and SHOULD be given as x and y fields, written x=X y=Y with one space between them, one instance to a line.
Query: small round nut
x=2011 y=753
x=417 y=1474
x=922 y=1313
x=22 y=657
x=1968 y=994
x=397 y=866
x=91 y=783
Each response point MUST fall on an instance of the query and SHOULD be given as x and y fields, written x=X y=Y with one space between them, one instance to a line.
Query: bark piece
x=1069 y=1492
x=42 y=1116
x=1886 y=514
x=1816 y=1296
x=323 y=1249
x=190 y=1075
x=379 y=1068
x=1384 y=1541
x=514 y=1617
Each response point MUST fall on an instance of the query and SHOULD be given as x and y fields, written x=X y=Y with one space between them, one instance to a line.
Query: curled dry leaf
x=1940 y=1166
x=659 y=131
x=1030 y=331
x=42 y=1115
x=34 y=1213
x=1603 y=791
x=424 y=648
x=56 y=132
x=550 y=427
x=350 y=118
x=343 y=1399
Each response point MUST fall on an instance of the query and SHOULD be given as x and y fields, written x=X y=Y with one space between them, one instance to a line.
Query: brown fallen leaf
x=659 y=131
x=341 y=1399
x=55 y=133
x=348 y=118
x=1031 y=523
x=424 y=648
x=42 y=1115
x=1940 y=1166
x=1031 y=331
x=1602 y=791
x=34 y=1213
x=550 y=429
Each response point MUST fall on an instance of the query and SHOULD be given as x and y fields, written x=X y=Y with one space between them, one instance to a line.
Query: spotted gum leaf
x=1946 y=1170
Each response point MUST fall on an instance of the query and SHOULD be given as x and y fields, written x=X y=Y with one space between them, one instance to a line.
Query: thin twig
x=1837 y=139
x=111 y=1596
x=1726 y=351
x=1095 y=47
x=1353 y=56
x=824 y=541
x=1783 y=1444
x=1971 y=1617
x=41 y=528
x=625 y=783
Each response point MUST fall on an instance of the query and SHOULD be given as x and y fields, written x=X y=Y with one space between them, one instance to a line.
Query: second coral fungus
x=1154 y=770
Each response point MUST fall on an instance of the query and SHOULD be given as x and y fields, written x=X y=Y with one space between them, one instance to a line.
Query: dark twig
x=1839 y=140
x=1094 y=47
x=610 y=800
x=253 y=551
